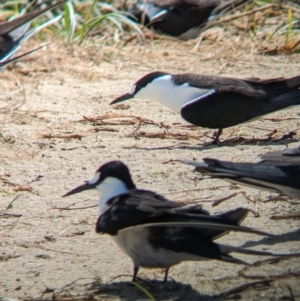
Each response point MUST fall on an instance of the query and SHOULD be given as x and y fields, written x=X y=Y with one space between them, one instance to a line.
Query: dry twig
x=61 y=136
x=243 y=287
x=288 y=216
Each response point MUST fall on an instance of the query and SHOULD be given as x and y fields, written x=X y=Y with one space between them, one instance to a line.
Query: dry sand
x=48 y=246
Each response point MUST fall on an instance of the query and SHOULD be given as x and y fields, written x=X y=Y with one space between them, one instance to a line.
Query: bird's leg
x=135 y=271
x=166 y=276
x=216 y=140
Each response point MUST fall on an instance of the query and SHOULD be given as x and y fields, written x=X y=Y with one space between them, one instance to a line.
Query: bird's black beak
x=122 y=98
x=84 y=186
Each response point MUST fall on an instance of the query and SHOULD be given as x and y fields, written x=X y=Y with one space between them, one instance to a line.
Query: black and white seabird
x=278 y=171
x=156 y=232
x=14 y=32
x=183 y=19
x=214 y=101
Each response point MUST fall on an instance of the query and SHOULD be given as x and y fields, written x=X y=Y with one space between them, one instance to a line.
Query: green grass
x=145 y=291
x=79 y=18
x=82 y=19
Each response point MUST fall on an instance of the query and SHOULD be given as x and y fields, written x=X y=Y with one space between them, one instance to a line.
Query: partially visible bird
x=287 y=157
x=156 y=232
x=214 y=101
x=11 y=60
x=15 y=31
x=180 y=18
x=278 y=171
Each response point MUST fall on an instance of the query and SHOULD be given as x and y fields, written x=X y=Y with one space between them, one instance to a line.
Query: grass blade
x=70 y=20
x=10 y=205
x=146 y=292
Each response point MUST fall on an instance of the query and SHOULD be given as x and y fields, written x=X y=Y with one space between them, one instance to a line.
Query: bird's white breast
x=135 y=243
x=164 y=91
x=108 y=189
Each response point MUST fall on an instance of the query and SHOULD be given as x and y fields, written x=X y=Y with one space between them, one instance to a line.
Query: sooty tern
x=278 y=171
x=156 y=232
x=213 y=101
x=180 y=18
x=14 y=32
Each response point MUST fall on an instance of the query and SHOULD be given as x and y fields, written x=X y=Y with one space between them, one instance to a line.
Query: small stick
x=4 y=214
x=243 y=287
x=288 y=216
x=71 y=136
x=221 y=200
x=77 y=208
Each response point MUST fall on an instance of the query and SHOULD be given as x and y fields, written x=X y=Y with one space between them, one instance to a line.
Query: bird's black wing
x=173 y=17
x=221 y=109
x=280 y=179
x=13 y=32
x=190 y=244
x=232 y=217
x=140 y=209
x=231 y=101
x=179 y=17
x=8 y=26
x=131 y=208
x=288 y=157
x=228 y=101
x=187 y=243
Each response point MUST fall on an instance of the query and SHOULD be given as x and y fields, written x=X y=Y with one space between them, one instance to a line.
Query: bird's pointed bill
x=126 y=96
x=80 y=188
x=122 y=98
x=90 y=184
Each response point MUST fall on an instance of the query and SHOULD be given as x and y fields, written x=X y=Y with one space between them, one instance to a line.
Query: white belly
x=163 y=91
x=134 y=243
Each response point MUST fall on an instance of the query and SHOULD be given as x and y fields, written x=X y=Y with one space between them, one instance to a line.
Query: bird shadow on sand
x=141 y=290
x=211 y=145
x=278 y=239
x=169 y=291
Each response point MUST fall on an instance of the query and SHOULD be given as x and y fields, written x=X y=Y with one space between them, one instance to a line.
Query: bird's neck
x=108 y=189
x=164 y=91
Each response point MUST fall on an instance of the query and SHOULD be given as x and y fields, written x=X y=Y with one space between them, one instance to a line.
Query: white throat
x=150 y=9
x=164 y=91
x=109 y=188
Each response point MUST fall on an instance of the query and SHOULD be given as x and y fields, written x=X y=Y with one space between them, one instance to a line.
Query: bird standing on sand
x=156 y=232
x=214 y=101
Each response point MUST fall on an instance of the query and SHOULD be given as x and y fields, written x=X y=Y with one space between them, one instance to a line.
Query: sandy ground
x=53 y=136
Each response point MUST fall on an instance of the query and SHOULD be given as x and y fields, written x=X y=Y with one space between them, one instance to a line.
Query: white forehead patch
x=166 y=77
x=95 y=178
x=132 y=90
